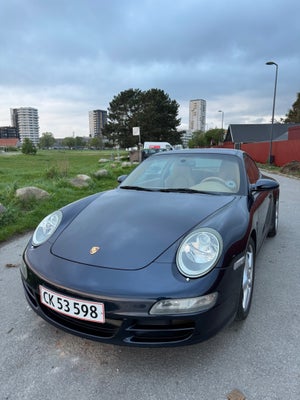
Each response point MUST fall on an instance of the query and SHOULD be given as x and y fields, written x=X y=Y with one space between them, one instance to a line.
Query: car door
x=261 y=203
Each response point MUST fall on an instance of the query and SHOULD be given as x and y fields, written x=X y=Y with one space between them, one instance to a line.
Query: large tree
x=123 y=114
x=96 y=142
x=159 y=120
x=152 y=110
x=293 y=116
x=69 y=142
x=47 y=140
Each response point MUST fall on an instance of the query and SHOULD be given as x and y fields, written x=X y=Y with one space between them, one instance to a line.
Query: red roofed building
x=9 y=137
x=11 y=142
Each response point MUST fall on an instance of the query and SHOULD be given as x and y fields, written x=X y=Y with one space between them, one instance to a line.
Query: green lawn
x=51 y=171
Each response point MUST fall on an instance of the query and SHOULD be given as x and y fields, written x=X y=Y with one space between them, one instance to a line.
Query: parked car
x=158 y=145
x=165 y=259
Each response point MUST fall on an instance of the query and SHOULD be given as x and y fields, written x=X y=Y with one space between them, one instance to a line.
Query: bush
x=8 y=217
x=28 y=147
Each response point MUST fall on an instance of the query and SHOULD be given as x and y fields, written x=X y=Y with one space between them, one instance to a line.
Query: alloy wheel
x=248 y=275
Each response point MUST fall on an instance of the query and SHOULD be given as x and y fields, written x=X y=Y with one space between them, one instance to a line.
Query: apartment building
x=197 y=115
x=97 y=121
x=26 y=122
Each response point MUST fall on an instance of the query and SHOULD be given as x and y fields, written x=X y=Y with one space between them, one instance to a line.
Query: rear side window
x=251 y=169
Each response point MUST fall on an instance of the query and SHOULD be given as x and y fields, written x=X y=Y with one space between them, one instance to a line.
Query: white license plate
x=84 y=310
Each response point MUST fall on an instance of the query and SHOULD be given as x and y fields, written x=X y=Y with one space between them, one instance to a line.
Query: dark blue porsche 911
x=165 y=259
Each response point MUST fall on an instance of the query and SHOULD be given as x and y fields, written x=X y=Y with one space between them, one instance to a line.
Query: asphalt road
x=260 y=357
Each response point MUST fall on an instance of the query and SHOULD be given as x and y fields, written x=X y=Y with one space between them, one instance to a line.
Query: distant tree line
x=47 y=141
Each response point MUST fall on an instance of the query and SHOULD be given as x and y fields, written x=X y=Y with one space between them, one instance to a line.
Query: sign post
x=136 y=132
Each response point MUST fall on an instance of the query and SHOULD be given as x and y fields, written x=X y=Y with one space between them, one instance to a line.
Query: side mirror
x=121 y=178
x=264 y=185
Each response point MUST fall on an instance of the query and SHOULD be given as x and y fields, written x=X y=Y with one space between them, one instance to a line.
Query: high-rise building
x=197 y=115
x=97 y=121
x=26 y=122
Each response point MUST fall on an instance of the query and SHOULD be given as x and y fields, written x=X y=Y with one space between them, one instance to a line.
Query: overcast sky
x=67 y=57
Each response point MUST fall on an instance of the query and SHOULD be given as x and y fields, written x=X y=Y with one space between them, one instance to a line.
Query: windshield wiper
x=185 y=190
x=169 y=190
x=136 y=188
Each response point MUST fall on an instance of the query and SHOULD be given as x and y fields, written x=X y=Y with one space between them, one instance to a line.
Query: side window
x=251 y=169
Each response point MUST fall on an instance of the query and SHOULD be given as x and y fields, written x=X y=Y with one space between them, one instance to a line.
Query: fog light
x=184 y=306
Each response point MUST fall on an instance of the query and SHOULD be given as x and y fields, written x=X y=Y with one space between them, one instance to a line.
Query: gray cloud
x=67 y=57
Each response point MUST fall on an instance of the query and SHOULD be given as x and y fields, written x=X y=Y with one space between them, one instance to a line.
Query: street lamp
x=222 y=123
x=271 y=158
x=222 y=117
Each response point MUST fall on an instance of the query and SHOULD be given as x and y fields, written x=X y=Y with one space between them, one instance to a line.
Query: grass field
x=51 y=171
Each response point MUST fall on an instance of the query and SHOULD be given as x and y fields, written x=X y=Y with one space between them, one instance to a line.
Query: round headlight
x=199 y=252
x=46 y=228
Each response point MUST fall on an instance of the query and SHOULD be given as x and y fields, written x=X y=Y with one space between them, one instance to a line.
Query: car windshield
x=195 y=172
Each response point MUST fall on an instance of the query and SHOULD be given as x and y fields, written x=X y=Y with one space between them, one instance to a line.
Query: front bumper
x=127 y=320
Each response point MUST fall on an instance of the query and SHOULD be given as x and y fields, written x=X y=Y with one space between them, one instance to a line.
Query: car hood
x=129 y=229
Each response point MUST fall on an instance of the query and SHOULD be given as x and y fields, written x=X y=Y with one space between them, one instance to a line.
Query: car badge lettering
x=94 y=250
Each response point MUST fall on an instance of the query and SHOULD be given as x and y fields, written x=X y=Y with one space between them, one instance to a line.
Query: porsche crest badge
x=94 y=250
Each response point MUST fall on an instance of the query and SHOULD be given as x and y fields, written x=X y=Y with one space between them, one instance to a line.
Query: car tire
x=274 y=221
x=247 y=282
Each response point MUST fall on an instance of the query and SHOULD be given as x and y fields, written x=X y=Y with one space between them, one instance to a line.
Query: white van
x=158 y=146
